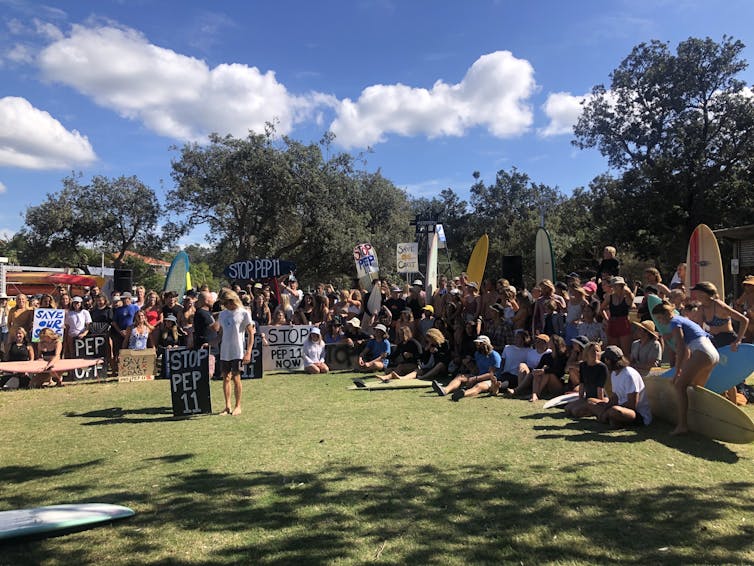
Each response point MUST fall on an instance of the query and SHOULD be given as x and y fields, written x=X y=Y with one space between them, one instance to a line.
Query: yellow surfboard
x=703 y=262
x=709 y=414
x=478 y=261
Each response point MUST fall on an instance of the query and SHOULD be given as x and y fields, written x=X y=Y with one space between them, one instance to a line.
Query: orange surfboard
x=703 y=262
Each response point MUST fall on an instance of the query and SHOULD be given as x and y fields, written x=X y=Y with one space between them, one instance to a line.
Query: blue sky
x=436 y=89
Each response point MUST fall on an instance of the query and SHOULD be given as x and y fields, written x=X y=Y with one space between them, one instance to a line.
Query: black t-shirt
x=176 y=311
x=407 y=352
x=202 y=321
x=592 y=377
x=395 y=306
x=553 y=364
x=441 y=354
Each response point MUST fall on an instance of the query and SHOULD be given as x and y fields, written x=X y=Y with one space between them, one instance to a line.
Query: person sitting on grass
x=628 y=404
x=50 y=349
x=593 y=374
x=488 y=363
x=313 y=353
x=549 y=374
x=434 y=360
x=406 y=356
x=374 y=356
x=513 y=356
x=646 y=351
x=533 y=359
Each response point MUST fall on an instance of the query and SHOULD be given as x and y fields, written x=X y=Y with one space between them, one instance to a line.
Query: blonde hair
x=435 y=336
x=230 y=295
x=49 y=334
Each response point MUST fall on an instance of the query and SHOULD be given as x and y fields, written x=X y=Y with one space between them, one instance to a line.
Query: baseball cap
x=429 y=308
x=581 y=340
x=355 y=322
x=482 y=339
x=315 y=330
x=125 y=295
x=612 y=353
x=77 y=300
x=381 y=328
x=543 y=337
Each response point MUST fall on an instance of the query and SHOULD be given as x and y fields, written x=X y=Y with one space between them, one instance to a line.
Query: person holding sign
x=234 y=321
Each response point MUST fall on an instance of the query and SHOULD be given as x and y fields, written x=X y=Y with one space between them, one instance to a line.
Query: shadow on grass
x=413 y=514
x=119 y=415
x=592 y=431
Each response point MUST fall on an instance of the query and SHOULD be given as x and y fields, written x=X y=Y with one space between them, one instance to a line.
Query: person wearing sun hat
x=646 y=350
x=619 y=300
x=487 y=361
x=376 y=352
x=313 y=352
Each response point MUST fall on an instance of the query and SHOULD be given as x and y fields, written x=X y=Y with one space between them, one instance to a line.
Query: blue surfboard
x=56 y=520
x=734 y=367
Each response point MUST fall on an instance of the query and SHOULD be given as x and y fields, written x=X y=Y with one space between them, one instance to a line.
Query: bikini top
x=716 y=321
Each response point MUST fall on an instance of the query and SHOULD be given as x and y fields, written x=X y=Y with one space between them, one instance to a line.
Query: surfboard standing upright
x=177 y=275
x=478 y=260
x=703 y=262
x=545 y=260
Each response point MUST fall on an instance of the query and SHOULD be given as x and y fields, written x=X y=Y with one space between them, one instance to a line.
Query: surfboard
x=663 y=329
x=562 y=400
x=55 y=520
x=372 y=384
x=544 y=260
x=709 y=414
x=375 y=299
x=478 y=261
x=703 y=262
x=367 y=266
x=733 y=368
x=176 y=279
x=430 y=284
x=42 y=366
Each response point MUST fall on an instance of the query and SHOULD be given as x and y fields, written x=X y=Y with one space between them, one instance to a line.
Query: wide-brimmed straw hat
x=647 y=326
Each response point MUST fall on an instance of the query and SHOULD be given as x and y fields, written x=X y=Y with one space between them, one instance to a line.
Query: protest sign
x=283 y=352
x=189 y=381
x=367 y=267
x=48 y=318
x=258 y=269
x=90 y=347
x=253 y=370
x=407 y=257
x=341 y=356
x=136 y=365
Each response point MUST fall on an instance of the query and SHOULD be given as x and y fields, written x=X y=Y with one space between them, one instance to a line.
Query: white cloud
x=563 y=109
x=493 y=94
x=20 y=54
x=3 y=188
x=172 y=94
x=7 y=234
x=32 y=139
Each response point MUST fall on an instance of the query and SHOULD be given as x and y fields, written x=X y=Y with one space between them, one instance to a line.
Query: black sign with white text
x=189 y=381
x=90 y=347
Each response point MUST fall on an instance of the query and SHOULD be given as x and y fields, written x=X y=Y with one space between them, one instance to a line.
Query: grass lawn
x=313 y=473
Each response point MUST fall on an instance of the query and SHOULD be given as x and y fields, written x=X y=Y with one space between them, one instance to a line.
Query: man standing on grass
x=234 y=321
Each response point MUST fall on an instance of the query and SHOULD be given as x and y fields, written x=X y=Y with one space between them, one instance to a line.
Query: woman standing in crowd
x=260 y=310
x=20 y=316
x=619 y=300
x=695 y=357
x=77 y=323
x=4 y=325
x=719 y=317
x=137 y=335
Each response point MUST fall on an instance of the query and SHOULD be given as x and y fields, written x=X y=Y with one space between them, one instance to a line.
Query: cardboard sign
x=136 y=365
x=48 y=318
x=189 y=381
x=367 y=267
x=258 y=269
x=341 y=356
x=407 y=257
x=254 y=369
x=90 y=347
x=284 y=350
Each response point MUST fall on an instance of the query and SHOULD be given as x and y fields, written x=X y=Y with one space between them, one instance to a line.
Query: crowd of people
x=467 y=338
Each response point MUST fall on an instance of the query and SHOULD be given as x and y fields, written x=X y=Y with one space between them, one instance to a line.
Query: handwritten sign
x=283 y=352
x=366 y=264
x=258 y=269
x=91 y=347
x=407 y=257
x=341 y=356
x=189 y=381
x=135 y=364
x=48 y=318
x=254 y=369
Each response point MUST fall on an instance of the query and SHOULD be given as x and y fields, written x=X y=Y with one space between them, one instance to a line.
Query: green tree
x=679 y=128
x=116 y=215
x=265 y=198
